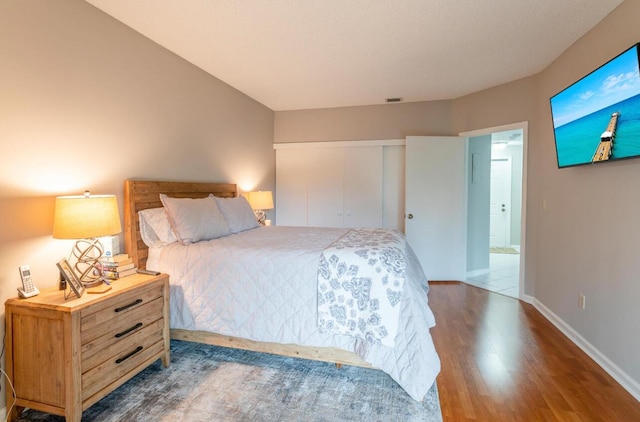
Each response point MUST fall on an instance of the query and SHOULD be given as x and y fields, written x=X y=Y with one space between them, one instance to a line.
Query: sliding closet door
x=331 y=186
x=363 y=187
x=325 y=181
x=291 y=187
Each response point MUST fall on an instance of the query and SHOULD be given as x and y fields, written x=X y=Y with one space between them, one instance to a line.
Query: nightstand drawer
x=115 y=368
x=118 y=307
x=106 y=347
x=143 y=313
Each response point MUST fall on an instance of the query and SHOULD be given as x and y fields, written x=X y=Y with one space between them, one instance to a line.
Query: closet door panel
x=363 y=176
x=393 y=187
x=291 y=187
x=325 y=187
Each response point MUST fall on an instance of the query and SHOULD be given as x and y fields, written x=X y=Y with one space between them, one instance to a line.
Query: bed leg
x=339 y=365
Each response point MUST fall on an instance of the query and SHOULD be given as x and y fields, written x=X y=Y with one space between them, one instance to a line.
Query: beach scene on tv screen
x=598 y=118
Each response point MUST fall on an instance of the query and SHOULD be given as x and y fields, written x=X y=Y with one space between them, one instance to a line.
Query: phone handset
x=28 y=288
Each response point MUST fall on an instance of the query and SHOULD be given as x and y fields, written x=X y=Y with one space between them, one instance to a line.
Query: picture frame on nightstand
x=72 y=279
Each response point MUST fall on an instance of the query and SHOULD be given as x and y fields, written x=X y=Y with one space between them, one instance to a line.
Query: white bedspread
x=262 y=285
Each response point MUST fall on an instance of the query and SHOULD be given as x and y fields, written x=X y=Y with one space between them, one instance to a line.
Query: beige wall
x=504 y=104
x=387 y=121
x=85 y=102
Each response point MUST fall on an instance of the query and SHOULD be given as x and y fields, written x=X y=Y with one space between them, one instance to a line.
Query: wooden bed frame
x=140 y=195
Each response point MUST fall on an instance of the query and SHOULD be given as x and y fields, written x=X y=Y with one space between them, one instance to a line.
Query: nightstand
x=65 y=355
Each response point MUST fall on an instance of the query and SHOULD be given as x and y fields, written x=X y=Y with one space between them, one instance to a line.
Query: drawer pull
x=122 y=359
x=128 y=330
x=122 y=308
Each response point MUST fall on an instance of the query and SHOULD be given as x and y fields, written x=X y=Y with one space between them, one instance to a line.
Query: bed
x=260 y=289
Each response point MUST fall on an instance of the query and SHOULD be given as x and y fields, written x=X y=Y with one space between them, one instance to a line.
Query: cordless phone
x=28 y=288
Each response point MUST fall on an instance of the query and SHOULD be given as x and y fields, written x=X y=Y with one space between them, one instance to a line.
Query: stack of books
x=117 y=266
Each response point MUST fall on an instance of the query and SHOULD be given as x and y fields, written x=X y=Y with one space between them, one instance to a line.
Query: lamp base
x=261 y=216
x=87 y=253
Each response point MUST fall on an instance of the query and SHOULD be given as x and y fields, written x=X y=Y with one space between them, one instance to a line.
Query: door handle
x=410 y=216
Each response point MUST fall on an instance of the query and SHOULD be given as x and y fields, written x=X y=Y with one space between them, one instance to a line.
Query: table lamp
x=86 y=218
x=260 y=201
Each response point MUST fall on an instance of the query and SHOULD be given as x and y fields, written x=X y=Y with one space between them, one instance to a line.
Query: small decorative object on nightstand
x=70 y=278
x=86 y=217
x=64 y=356
x=260 y=201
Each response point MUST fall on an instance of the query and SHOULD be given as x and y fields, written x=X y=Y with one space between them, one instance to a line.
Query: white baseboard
x=475 y=273
x=611 y=368
x=530 y=300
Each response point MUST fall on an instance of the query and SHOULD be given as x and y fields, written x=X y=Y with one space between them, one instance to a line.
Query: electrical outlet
x=582 y=301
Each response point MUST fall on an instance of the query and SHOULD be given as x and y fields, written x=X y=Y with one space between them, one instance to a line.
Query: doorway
x=496 y=218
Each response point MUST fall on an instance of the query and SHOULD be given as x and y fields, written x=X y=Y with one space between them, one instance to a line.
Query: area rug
x=503 y=250
x=209 y=383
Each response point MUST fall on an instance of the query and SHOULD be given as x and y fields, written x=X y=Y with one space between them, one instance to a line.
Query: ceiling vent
x=394 y=100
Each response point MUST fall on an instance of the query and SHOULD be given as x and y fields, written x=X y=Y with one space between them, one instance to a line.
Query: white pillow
x=193 y=220
x=155 y=228
x=238 y=213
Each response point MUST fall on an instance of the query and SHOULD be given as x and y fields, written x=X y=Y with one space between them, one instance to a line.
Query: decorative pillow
x=155 y=228
x=193 y=220
x=238 y=213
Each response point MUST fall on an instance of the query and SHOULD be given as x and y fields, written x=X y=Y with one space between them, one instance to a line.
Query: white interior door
x=500 y=203
x=435 y=221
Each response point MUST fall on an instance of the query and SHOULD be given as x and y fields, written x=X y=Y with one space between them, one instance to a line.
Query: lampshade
x=86 y=216
x=261 y=200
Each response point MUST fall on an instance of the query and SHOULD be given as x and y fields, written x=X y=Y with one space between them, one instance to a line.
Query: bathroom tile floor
x=503 y=276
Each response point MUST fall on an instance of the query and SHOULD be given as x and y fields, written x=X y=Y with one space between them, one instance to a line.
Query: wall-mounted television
x=597 y=119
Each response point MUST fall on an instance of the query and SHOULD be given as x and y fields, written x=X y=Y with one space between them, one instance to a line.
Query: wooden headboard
x=142 y=194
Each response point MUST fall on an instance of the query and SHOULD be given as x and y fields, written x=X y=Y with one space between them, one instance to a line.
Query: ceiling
x=304 y=54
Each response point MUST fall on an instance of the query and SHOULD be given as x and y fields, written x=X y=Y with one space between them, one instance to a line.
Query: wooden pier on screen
x=605 y=147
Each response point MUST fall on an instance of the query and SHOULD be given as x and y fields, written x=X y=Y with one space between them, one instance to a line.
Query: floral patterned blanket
x=360 y=283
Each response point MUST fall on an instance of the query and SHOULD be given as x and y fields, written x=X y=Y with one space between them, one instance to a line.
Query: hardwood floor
x=503 y=361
